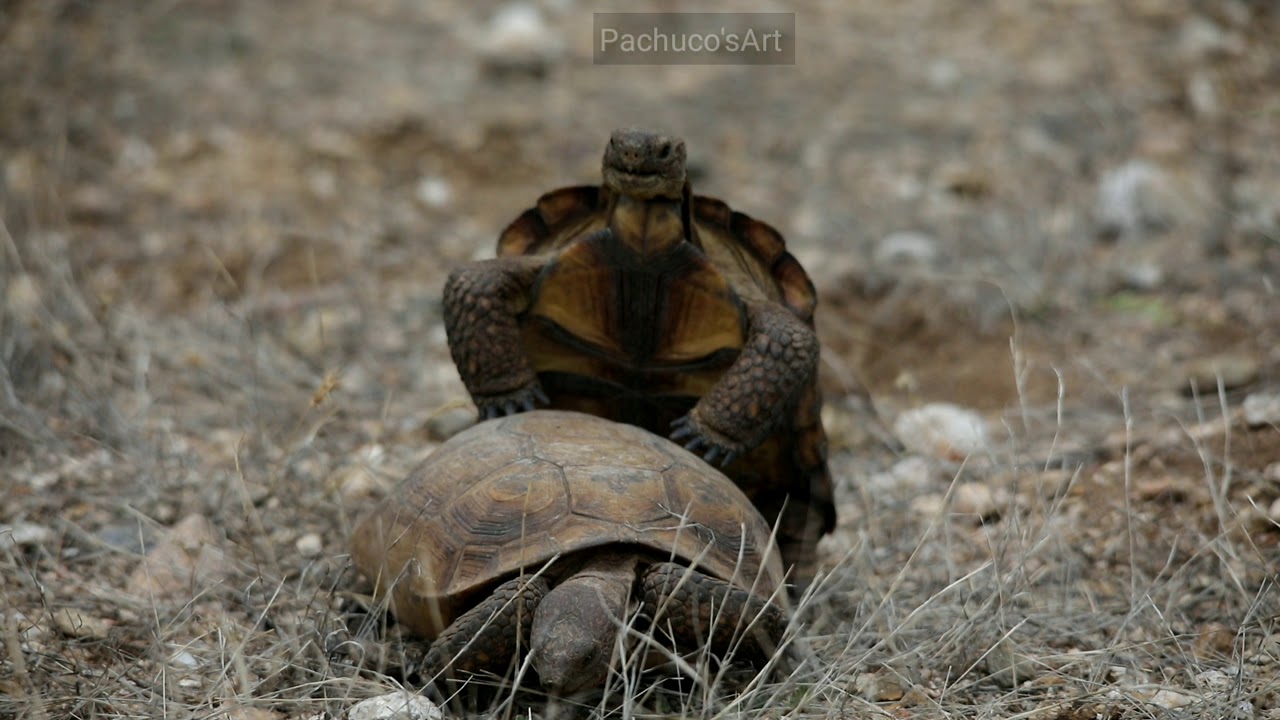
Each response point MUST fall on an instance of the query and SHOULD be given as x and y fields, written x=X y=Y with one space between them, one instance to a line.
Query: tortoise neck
x=648 y=227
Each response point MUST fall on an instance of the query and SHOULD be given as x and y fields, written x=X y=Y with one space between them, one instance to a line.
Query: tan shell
x=520 y=491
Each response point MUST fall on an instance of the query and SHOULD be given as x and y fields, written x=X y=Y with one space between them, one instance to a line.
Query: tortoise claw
x=696 y=441
x=682 y=428
x=525 y=399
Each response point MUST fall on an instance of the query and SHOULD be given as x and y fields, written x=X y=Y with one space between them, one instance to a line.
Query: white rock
x=1273 y=512
x=909 y=475
x=906 y=247
x=1170 y=699
x=1200 y=38
x=975 y=499
x=1133 y=198
x=942 y=430
x=395 y=706
x=24 y=534
x=518 y=36
x=1262 y=409
x=1144 y=275
x=434 y=192
x=310 y=545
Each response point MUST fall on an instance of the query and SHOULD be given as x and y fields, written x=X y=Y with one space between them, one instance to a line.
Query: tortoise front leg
x=482 y=301
x=693 y=608
x=753 y=396
x=488 y=636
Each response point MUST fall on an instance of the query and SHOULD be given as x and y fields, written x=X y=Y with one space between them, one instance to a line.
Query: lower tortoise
x=538 y=532
x=637 y=301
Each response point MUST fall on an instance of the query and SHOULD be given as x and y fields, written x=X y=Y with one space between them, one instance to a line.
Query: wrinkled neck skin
x=576 y=626
x=647 y=228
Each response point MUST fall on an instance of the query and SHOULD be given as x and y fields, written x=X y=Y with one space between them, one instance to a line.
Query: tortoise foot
x=522 y=400
x=488 y=636
x=700 y=439
x=694 y=609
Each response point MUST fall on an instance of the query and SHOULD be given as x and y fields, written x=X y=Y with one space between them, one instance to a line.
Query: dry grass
x=198 y=331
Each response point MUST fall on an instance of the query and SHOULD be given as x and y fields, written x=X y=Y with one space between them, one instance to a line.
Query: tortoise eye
x=664 y=150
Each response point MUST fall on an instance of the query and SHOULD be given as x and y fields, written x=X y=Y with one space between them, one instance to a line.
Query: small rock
x=976 y=499
x=395 y=706
x=1234 y=370
x=909 y=476
x=906 y=248
x=356 y=485
x=434 y=192
x=187 y=558
x=92 y=204
x=242 y=712
x=928 y=505
x=1272 y=472
x=449 y=421
x=1008 y=666
x=1262 y=409
x=1215 y=681
x=942 y=430
x=131 y=537
x=1163 y=489
x=1144 y=276
x=77 y=624
x=1273 y=512
x=518 y=41
x=22 y=296
x=1169 y=699
x=879 y=687
x=1133 y=199
x=24 y=535
x=309 y=545
x=1201 y=38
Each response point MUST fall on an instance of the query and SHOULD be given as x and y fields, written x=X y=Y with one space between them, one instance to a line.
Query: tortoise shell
x=641 y=345
x=516 y=493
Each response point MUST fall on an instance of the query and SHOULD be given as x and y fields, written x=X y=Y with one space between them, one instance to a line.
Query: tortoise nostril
x=664 y=150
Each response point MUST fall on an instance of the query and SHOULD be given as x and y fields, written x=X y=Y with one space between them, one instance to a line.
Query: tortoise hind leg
x=684 y=603
x=489 y=635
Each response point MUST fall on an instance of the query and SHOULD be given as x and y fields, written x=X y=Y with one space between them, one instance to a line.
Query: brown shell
x=518 y=492
x=751 y=258
x=751 y=254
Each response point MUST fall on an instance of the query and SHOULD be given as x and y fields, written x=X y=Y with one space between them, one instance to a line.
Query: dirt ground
x=225 y=229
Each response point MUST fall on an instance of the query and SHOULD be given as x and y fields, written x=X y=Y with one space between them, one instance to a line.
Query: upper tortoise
x=638 y=301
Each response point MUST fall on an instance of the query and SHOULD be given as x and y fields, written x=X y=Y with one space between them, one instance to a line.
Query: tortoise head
x=644 y=165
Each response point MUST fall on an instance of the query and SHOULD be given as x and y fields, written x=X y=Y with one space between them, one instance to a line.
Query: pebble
x=187 y=558
x=908 y=476
x=1008 y=666
x=519 y=40
x=1262 y=409
x=356 y=485
x=395 y=706
x=309 y=545
x=78 y=624
x=976 y=499
x=942 y=430
x=24 y=535
x=434 y=192
x=1234 y=370
x=1132 y=199
x=1273 y=512
x=906 y=247
x=241 y=712
x=449 y=421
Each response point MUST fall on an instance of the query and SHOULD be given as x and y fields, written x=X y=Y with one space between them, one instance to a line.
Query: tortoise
x=638 y=301
x=537 y=530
